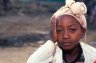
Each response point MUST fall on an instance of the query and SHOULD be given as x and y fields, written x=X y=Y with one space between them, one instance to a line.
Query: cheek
x=59 y=37
x=76 y=37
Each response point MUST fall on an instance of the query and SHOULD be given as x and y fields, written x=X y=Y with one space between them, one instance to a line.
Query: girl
x=68 y=26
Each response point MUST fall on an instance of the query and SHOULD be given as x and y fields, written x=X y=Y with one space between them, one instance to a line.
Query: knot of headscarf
x=75 y=9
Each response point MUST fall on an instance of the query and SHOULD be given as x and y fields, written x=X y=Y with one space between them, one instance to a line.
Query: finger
x=53 y=30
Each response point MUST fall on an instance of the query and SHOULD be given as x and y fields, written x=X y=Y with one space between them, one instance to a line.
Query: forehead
x=67 y=20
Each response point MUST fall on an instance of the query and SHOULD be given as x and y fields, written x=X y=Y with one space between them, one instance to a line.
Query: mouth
x=66 y=43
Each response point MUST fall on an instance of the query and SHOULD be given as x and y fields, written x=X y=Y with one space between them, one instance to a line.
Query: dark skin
x=68 y=33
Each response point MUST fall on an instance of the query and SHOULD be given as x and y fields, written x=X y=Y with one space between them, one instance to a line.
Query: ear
x=83 y=32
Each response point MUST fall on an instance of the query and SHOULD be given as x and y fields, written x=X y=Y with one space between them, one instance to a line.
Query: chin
x=67 y=50
x=66 y=47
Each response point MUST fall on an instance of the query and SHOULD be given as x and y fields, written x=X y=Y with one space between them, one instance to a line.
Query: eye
x=59 y=31
x=73 y=30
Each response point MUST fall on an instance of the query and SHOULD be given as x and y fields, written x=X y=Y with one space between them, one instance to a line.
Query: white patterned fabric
x=51 y=53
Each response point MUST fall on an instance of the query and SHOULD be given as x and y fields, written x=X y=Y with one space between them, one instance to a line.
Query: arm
x=43 y=54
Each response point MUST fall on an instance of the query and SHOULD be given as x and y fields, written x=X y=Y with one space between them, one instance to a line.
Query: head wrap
x=75 y=9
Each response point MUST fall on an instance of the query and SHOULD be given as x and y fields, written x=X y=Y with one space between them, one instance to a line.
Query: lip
x=67 y=43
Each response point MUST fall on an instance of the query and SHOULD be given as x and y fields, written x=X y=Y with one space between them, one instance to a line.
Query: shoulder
x=87 y=46
x=89 y=51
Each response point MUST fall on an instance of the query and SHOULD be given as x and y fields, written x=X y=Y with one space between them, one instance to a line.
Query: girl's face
x=69 y=32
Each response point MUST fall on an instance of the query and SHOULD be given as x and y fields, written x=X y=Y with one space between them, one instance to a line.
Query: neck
x=71 y=55
x=71 y=51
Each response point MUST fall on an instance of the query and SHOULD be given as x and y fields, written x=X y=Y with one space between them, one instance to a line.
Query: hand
x=53 y=32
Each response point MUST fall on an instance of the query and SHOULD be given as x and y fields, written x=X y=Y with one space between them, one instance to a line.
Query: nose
x=66 y=35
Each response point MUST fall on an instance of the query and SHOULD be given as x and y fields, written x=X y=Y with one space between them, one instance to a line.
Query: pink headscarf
x=75 y=9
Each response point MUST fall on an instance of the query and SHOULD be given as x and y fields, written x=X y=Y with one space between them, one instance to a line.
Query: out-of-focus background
x=25 y=25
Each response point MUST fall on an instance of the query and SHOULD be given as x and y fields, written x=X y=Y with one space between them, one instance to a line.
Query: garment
x=79 y=58
x=51 y=53
x=72 y=8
